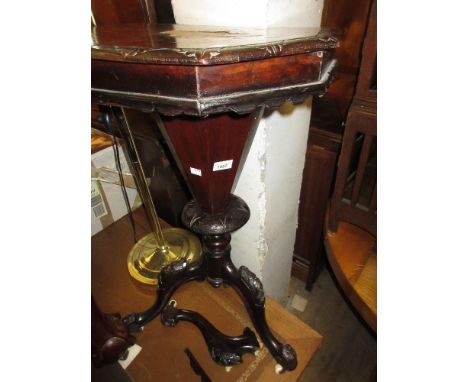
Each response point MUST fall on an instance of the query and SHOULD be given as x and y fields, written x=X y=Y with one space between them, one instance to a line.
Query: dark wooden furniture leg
x=171 y=278
x=220 y=269
x=251 y=290
x=110 y=338
x=224 y=350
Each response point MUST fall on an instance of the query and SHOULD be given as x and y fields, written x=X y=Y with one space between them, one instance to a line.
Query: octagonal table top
x=204 y=70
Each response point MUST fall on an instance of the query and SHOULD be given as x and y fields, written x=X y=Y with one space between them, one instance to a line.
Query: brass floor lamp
x=161 y=246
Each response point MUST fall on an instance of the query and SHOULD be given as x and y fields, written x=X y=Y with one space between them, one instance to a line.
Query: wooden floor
x=352 y=257
x=349 y=350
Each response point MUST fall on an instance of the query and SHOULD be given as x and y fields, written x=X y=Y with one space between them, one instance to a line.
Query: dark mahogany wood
x=216 y=266
x=110 y=337
x=202 y=142
x=221 y=79
x=366 y=88
x=175 y=69
x=351 y=18
x=164 y=11
x=355 y=194
x=323 y=147
x=204 y=45
x=328 y=117
x=315 y=192
x=225 y=350
x=122 y=11
x=354 y=197
x=350 y=249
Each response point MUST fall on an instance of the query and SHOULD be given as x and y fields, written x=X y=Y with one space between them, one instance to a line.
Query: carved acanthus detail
x=170 y=271
x=254 y=284
x=225 y=358
x=237 y=213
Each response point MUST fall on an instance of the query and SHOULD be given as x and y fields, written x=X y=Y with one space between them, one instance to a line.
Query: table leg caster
x=278 y=368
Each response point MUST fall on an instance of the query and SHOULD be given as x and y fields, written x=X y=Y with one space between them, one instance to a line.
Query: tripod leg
x=224 y=350
x=171 y=278
x=250 y=288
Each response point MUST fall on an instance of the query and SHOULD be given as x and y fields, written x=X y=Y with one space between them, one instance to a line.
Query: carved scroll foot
x=224 y=350
x=171 y=278
x=251 y=289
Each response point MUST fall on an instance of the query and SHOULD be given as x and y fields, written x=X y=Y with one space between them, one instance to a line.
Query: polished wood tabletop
x=203 y=45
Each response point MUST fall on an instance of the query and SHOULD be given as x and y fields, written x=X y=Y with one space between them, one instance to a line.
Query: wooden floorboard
x=354 y=262
x=349 y=349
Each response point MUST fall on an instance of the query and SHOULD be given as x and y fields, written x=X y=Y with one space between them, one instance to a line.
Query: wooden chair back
x=354 y=198
x=355 y=195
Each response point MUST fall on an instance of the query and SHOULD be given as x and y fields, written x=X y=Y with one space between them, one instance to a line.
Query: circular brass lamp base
x=146 y=258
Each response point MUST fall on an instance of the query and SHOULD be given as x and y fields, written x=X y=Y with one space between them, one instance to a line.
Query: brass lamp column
x=161 y=246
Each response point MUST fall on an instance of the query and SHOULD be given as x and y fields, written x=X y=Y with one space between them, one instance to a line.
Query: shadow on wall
x=287 y=108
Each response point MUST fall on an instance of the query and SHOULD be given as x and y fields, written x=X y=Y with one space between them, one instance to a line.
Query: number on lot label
x=224 y=165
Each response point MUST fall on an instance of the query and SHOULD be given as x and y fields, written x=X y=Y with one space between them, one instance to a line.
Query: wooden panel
x=140 y=78
x=341 y=92
x=315 y=190
x=279 y=71
x=167 y=186
x=366 y=88
x=350 y=17
x=118 y=11
x=199 y=143
x=324 y=143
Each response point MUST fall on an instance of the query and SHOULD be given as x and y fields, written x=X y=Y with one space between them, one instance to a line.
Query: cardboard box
x=107 y=199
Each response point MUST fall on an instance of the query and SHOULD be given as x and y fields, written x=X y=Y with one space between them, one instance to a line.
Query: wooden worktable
x=162 y=357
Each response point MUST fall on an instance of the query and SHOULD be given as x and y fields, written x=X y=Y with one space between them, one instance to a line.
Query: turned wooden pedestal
x=209 y=86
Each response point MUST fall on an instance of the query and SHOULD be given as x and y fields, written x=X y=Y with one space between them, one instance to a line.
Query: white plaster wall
x=287 y=132
x=248 y=13
x=271 y=177
x=249 y=246
x=294 y=13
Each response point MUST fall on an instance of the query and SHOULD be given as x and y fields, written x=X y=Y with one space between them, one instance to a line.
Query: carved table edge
x=238 y=102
